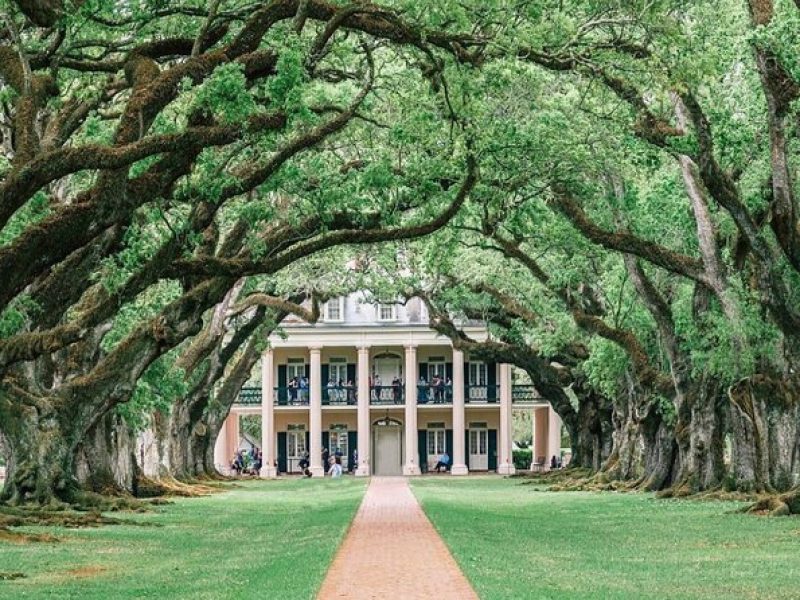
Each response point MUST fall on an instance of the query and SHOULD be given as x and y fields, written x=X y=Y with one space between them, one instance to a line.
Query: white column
x=541 y=436
x=459 y=460
x=412 y=454
x=315 y=418
x=364 y=425
x=268 y=468
x=231 y=436
x=554 y=437
x=505 y=462
x=221 y=459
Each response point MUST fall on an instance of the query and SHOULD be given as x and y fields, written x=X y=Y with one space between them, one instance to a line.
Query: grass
x=516 y=541
x=262 y=539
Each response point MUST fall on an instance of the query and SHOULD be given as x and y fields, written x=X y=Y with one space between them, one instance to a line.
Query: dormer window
x=334 y=310
x=387 y=312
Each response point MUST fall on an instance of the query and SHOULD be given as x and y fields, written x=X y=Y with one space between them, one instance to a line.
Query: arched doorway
x=387 y=446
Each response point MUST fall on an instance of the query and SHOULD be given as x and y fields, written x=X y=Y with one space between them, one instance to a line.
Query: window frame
x=438 y=436
x=327 y=313
x=392 y=308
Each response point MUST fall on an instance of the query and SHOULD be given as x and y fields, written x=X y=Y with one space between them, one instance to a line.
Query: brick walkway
x=393 y=551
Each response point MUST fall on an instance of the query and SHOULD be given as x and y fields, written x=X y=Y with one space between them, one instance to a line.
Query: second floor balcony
x=392 y=395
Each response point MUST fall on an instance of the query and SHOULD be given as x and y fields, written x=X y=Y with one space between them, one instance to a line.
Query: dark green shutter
x=448 y=392
x=352 y=444
x=423 y=372
x=325 y=376
x=351 y=372
x=283 y=394
x=448 y=445
x=308 y=371
x=466 y=448
x=282 y=450
x=491 y=380
x=422 y=448
x=493 y=449
x=448 y=371
x=466 y=383
x=308 y=443
x=326 y=440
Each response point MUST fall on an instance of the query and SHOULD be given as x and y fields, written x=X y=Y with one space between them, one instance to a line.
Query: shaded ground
x=260 y=540
x=516 y=541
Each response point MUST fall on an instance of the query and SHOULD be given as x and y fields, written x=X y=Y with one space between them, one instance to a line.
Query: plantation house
x=381 y=382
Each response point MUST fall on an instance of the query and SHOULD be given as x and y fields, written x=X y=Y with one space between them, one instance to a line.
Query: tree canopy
x=610 y=185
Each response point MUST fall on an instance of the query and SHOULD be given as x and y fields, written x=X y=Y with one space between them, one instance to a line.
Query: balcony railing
x=434 y=394
x=250 y=396
x=390 y=395
x=339 y=395
x=387 y=394
x=482 y=394
x=520 y=394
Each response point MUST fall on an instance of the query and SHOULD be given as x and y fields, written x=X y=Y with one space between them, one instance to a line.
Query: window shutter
x=282 y=376
x=466 y=381
x=448 y=444
x=351 y=372
x=422 y=447
x=326 y=442
x=448 y=370
x=283 y=394
x=352 y=443
x=423 y=372
x=492 y=449
x=325 y=369
x=491 y=382
x=466 y=448
x=308 y=371
x=308 y=443
x=282 y=449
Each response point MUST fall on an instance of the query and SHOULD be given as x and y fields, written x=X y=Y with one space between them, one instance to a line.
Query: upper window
x=334 y=310
x=387 y=312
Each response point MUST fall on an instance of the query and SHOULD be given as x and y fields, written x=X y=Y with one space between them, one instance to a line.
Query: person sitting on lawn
x=444 y=462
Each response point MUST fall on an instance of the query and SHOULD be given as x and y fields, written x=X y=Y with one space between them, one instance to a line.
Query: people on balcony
x=397 y=390
x=422 y=390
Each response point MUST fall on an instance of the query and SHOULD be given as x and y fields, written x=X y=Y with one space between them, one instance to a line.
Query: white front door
x=478 y=449
x=295 y=450
x=387 y=451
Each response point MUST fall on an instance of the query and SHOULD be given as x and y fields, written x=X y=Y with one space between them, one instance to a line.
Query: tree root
x=10 y=576
x=780 y=505
x=170 y=487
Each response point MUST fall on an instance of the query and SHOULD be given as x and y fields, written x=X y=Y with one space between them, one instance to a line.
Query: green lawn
x=261 y=540
x=514 y=541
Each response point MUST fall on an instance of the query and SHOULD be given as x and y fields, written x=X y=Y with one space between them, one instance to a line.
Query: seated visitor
x=304 y=462
x=444 y=462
